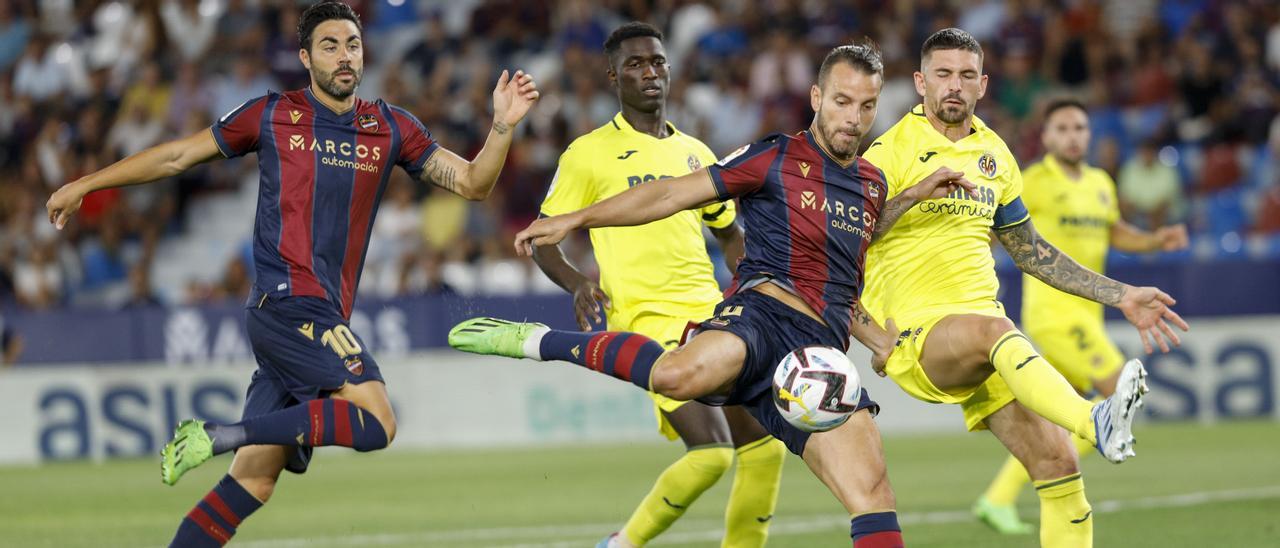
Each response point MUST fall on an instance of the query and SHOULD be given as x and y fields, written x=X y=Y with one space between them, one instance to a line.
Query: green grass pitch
x=1191 y=485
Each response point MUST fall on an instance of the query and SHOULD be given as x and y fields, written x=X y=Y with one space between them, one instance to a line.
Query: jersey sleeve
x=1011 y=211
x=572 y=187
x=416 y=144
x=744 y=170
x=718 y=215
x=236 y=132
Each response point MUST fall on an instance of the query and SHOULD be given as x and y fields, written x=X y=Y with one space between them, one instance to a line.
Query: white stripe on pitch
x=566 y=536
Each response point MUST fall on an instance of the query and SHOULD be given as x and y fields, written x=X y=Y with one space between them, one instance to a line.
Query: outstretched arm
x=940 y=183
x=1146 y=308
x=474 y=180
x=638 y=205
x=160 y=161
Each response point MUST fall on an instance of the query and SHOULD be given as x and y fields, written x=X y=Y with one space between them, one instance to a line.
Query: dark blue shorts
x=305 y=350
x=771 y=330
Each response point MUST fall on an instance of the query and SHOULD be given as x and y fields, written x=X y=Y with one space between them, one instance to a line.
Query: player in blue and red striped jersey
x=811 y=207
x=325 y=157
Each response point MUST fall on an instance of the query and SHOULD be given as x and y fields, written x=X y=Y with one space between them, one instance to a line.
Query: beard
x=842 y=151
x=951 y=114
x=329 y=82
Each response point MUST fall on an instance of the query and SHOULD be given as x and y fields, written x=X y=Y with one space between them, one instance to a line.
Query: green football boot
x=190 y=447
x=494 y=337
x=1004 y=519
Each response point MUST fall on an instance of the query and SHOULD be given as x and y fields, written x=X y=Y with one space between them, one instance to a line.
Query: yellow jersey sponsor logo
x=804 y=169
x=294 y=116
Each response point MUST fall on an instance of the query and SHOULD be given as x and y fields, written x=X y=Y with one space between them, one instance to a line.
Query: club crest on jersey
x=694 y=164
x=987 y=165
x=355 y=365
x=368 y=121
x=873 y=191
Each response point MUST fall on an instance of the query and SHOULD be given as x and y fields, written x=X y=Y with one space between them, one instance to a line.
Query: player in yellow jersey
x=1074 y=205
x=933 y=275
x=655 y=279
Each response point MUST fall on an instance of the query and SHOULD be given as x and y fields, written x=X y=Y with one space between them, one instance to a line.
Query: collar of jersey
x=823 y=152
x=622 y=125
x=979 y=127
x=323 y=111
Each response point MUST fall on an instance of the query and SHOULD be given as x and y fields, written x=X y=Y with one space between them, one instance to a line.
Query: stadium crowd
x=1184 y=97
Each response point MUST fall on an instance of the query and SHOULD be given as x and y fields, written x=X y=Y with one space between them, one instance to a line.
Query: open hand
x=512 y=99
x=1147 y=308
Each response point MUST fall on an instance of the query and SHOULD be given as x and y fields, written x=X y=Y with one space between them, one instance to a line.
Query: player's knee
x=261 y=487
x=711 y=460
x=378 y=434
x=1055 y=462
x=994 y=328
x=674 y=379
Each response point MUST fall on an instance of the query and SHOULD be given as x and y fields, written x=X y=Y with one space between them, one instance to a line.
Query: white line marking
x=565 y=536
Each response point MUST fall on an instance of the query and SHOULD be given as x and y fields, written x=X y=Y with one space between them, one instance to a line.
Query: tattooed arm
x=940 y=183
x=474 y=180
x=880 y=341
x=1146 y=308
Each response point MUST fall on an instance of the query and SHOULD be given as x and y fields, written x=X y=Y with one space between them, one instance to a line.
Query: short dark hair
x=950 y=38
x=634 y=29
x=863 y=56
x=319 y=13
x=1060 y=103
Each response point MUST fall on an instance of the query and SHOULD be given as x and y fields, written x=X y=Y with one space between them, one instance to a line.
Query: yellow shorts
x=1079 y=349
x=667 y=331
x=904 y=367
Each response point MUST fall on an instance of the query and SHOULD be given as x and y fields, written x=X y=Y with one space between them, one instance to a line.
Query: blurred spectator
x=190 y=25
x=84 y=83
x=14 y=33
x=396 y=234
x=1149 y=191
x=37 y=279
x=245 y=82
x=141 y=295
x=10 y=344
x=1269 y=212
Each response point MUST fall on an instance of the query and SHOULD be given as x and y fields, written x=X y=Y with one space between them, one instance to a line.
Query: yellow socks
x=677 y=488
x=1066 y=520
x=755 y=493
x=1039 y=387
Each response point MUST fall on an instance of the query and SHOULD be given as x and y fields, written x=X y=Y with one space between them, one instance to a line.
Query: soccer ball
x=816 y=388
